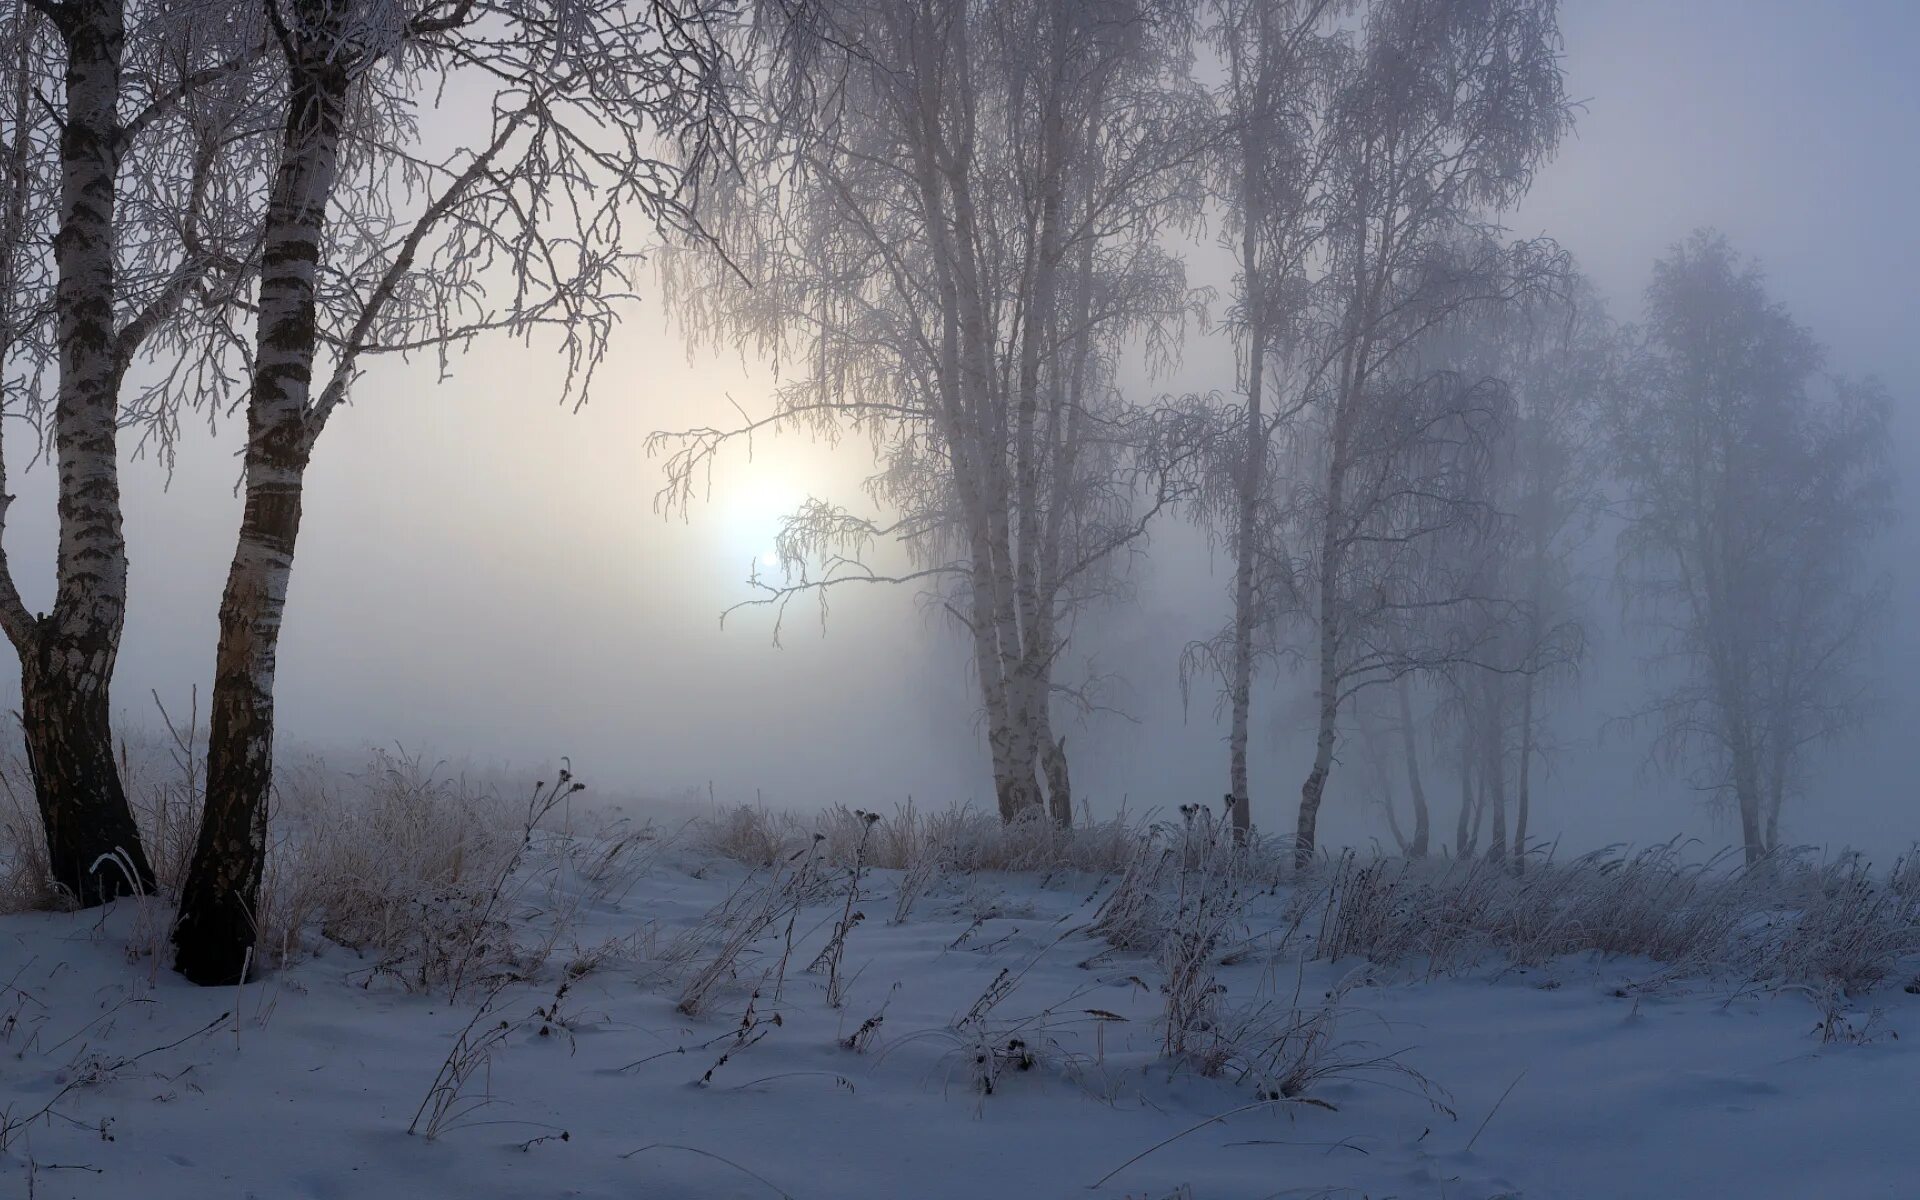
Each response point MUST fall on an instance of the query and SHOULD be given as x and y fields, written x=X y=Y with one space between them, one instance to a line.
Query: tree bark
x=1059 y=783
x=216 y=932
x=1251 y=483
x=1731 y=695
x=1334 y=541
x=1033 y=745
x=1327 y=693
x=1306 y=833
x=67 y=657
x=1377 y=762
x=1496 y=781
x=1417 y=846
x=1461 y=846
x=1776 y=794
x=1522 y=798
x=1746 y=791
x=1479 y=817
x=93 y=844
x=1064 y=447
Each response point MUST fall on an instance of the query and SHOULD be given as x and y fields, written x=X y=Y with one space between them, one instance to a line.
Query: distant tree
x=1445 y=113
x=1552 y=354
x=1753 y=487
x=1361 y=165
x=123 y=177
x=1390 y=733
x=949 y=249
x=375 y=241
x=1563 y=352
x=1282 y=59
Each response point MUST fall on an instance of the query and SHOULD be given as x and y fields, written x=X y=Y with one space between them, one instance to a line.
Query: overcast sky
x=481 y=573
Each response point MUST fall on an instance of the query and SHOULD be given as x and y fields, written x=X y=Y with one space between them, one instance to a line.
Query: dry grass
x=26 y=878
x=397 y=862
x=1188 y=900
x=1788 y=920
x=413 y=866
x=435 y=877
x=164 y=776
x=959 y=840
x=441 y=880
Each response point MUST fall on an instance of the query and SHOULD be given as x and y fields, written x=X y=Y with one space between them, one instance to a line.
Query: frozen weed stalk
x=725 y=936
x=1207 y=922
x=470 y=1058
x=833 y=955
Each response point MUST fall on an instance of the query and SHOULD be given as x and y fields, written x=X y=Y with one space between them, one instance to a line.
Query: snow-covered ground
x=1582 y=1078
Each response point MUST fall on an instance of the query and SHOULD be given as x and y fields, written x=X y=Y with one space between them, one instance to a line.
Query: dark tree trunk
x=1495 y=772
x=1746 y=788
x=93 y=845
x=1523 y=801
x=1422 y=823
x=1479 y=816
x=1252 y=482
x=1497 y=801
x=1053 y=754
x=1307 y=832
x=1461 y=845
x=217 y=929
x=1327 y=694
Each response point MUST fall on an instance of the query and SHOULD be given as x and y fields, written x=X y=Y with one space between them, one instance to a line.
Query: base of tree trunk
x=93 y=842
x=1059 y=783
x=215 y=934
x=213 y=945
x=1306 y=832
x=1240 y=811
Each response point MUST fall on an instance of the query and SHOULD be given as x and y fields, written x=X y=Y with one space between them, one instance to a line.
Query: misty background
x=484 y=577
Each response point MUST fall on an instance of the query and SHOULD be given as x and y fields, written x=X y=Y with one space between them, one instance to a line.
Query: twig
x=1213 y=1120
x=1496 y=1107
x=838 y=1080
x=784 y=1194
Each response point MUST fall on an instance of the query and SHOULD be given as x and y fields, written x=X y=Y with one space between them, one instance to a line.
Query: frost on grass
x=1152 y=1003
x=1787 y=920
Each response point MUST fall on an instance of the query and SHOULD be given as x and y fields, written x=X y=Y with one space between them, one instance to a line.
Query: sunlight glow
x=750 y=510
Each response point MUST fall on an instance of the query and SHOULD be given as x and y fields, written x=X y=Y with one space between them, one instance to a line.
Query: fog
x=483 y=575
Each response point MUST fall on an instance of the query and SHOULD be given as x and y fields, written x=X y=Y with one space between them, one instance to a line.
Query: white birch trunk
x=215 y=933
x=67 y=657
x=1252 y=484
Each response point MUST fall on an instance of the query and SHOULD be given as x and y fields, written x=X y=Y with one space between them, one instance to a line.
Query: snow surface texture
x=988 y=1045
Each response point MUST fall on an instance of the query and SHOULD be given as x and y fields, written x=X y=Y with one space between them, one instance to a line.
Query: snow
x=1584 y=1078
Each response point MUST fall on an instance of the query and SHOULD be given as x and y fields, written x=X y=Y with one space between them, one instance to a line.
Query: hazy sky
x=481 y=573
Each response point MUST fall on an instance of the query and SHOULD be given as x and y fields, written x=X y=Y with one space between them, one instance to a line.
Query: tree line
x=966 y=238
x=960 y=230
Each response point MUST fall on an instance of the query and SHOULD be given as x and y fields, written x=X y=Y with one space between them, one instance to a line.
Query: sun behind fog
x=750 y=510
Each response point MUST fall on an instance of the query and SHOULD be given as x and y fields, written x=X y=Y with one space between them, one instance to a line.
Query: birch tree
x=1442 y=120
x=1281 y=59
x=1389 y=733
x=1564 y=351
x=1551 y=353
x=377 y=239
x=127 y=151
x=947 y=253
x=1754 y=484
